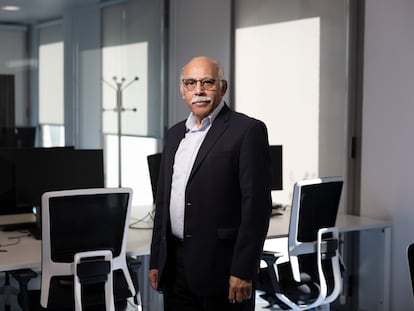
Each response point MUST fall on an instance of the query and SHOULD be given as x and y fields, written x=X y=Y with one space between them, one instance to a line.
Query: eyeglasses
x=206 y=84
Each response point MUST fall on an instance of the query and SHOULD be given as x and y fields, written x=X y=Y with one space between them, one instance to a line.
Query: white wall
x=387 y=166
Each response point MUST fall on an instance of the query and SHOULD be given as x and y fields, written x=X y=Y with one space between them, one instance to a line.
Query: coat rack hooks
x=119 y=87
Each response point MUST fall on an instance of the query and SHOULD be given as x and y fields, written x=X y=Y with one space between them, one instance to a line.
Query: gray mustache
x=200 y=99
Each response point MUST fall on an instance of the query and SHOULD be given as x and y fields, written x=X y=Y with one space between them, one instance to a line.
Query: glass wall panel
x=131 y=93
x=131 y=38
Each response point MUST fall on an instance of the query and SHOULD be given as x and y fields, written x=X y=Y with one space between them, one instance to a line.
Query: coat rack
x=119 y=88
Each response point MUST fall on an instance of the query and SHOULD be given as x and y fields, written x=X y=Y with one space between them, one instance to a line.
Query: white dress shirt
x=183 y=163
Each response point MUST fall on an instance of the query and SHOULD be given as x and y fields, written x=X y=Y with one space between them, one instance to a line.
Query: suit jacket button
x=189 y=204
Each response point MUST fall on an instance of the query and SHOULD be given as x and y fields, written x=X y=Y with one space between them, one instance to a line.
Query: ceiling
x=34 y=11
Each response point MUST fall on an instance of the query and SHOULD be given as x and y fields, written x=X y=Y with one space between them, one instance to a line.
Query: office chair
x=84 y=264
x=154 y=162
x=410 y=257
x=312 y=274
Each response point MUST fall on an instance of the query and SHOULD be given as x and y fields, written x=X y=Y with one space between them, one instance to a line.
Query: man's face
x=200 y=87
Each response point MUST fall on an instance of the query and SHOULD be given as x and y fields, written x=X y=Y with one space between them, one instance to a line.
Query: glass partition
x=132 y=92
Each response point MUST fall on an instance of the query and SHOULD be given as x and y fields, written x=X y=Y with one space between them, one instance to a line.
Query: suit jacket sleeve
x=255 y=179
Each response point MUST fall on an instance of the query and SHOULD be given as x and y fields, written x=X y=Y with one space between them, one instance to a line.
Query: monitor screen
x=154 y=163
x=7 y=183
x=40 y=170
x=7 y=137
x=17 y=137
x=276 y=167
x=25 y=136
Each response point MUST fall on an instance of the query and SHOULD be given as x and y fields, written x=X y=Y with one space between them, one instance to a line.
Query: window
x=51 y=108
x=296 y=83
x=13 y=61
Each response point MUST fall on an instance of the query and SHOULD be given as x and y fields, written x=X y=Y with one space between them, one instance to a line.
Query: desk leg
x=387 y=268
x=374 y=269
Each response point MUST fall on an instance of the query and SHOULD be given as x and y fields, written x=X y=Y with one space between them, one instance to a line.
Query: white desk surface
x=279 y=225
x=27 y=253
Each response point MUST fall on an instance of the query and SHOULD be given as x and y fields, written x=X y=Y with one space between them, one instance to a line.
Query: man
x=213 y=200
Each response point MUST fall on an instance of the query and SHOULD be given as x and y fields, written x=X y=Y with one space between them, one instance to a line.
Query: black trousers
x=178 y=296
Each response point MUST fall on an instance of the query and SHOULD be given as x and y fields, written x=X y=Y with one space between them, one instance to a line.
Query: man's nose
x=199 y=87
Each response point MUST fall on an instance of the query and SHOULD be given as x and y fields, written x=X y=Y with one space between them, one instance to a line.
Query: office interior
x=333 y=84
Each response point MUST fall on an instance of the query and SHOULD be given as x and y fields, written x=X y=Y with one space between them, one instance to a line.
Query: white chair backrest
x=83 y=220
x=314 y=209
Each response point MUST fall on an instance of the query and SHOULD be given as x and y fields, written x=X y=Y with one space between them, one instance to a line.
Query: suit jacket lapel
x=220 y=124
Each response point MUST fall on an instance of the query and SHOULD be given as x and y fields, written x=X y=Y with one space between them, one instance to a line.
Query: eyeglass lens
x=206 y=84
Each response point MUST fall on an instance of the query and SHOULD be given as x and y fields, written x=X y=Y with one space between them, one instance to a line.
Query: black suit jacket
x=228 y=203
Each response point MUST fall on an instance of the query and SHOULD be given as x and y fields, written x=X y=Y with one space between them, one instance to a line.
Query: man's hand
x=153 y=278
x=239 y=289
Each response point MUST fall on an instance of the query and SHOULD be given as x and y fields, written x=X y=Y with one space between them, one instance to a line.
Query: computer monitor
x=39 y=170
x=7 y=137
x=25 y=136
x=154 y=163
x=276 y=162
x=7 y=183
x=17 y=137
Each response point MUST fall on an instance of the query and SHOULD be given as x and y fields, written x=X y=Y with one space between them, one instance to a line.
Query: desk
x=279 y=225
x=27 y=253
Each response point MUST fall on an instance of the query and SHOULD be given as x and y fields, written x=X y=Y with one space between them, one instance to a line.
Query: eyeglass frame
x=202 y=81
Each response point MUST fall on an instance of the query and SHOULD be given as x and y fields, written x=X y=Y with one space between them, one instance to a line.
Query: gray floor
x=260 y=306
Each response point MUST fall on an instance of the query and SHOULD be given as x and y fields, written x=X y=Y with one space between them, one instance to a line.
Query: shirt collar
x=190 y=124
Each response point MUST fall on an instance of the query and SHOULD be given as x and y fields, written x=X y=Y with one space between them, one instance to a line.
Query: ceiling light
x=10 y=8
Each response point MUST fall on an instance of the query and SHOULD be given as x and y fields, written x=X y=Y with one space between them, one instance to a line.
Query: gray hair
x=218 y=64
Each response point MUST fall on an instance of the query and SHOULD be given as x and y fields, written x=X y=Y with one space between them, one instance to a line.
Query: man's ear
x=182 y=91
x=223 y=87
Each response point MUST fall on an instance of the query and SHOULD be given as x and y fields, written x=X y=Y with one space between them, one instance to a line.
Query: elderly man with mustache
x=213 y=200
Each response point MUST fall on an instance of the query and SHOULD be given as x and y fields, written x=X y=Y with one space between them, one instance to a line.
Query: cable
x=141 y=220
x=16 y=238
